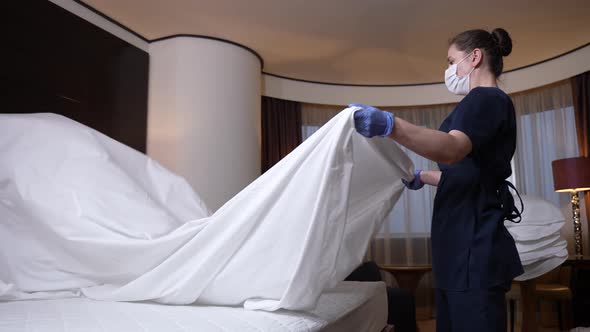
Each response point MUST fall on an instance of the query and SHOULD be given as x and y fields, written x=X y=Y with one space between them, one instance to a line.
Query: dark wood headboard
x=54 y=61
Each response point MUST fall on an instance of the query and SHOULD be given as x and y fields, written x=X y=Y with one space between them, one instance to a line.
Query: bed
x=351 y=306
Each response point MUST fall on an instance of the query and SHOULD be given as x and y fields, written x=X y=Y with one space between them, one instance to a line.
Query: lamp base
x=577 y=224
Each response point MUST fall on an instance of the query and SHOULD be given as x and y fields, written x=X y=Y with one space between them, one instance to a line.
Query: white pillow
x=541 y=267
x=556 y=249
x=534 y=232
x=537 y=211
x=527 y=246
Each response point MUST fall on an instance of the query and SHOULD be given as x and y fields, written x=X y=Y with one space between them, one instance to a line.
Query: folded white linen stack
x=82 y=213
x=538 y=239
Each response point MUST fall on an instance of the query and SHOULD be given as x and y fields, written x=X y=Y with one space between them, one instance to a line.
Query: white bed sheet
x=84 y=213
x=350 y=306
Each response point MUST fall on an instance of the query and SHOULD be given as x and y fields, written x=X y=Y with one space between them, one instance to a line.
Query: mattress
x=350 y=306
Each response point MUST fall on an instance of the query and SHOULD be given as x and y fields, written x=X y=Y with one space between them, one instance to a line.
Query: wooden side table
x=580 y=289
x=407 y=277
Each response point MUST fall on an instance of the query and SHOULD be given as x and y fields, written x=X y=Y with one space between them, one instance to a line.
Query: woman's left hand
x=416 y=183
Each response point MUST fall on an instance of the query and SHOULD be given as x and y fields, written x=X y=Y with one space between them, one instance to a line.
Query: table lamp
x=573 y=175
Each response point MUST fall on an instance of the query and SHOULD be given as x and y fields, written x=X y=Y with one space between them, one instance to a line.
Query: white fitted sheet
x=370 y=316
x=350 y=306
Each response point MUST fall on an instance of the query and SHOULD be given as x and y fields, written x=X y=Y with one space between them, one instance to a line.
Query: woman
x=474 y=257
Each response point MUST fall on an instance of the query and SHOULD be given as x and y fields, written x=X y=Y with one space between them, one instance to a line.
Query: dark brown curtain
x=281 y=129
x=581 y=98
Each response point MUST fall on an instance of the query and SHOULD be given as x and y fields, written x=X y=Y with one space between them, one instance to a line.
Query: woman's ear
x=477 y=57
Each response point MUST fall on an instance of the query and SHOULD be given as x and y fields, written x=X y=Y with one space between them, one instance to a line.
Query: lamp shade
x=571 y=174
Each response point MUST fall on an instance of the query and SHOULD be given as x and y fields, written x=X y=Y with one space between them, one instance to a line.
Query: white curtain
x=546 y=131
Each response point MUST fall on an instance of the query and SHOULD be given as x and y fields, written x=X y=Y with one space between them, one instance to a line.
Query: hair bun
x=503 y=41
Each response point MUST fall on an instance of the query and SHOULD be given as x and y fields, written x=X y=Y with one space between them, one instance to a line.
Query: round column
x=204 y=114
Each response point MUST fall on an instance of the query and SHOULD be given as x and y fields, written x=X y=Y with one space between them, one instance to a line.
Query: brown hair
x=495 y=46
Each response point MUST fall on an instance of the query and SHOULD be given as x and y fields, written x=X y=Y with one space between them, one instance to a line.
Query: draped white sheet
x=84 y=213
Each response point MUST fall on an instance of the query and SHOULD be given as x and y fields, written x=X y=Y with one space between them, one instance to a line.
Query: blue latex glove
x=370 y=121
x=416 y=183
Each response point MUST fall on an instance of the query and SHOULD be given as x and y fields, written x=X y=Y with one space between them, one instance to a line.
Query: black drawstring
x=508 y=207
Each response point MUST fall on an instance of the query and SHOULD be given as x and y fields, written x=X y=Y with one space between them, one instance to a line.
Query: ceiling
x=364 y=42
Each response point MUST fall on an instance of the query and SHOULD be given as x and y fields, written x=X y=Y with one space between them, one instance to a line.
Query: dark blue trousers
x=481 y=310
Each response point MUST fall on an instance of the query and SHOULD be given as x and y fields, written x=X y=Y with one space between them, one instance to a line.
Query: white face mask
x=458 y=85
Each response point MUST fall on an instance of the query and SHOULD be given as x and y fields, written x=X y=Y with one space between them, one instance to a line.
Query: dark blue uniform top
x=471 y=248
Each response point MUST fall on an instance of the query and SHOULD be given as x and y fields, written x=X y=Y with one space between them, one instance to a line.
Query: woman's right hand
x=370 y=121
